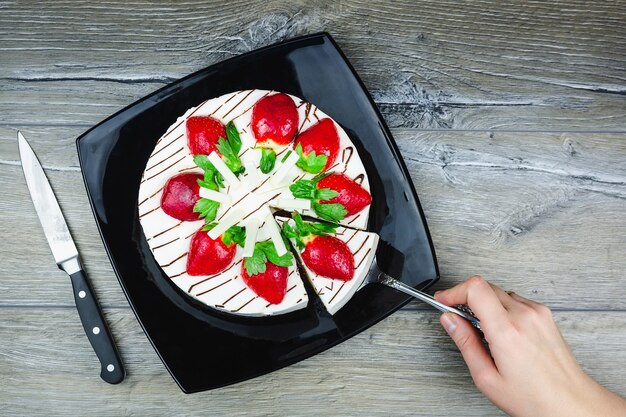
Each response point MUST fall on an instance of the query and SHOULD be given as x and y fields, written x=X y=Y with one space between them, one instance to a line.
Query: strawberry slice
x=180 y=194
x=203 y=133
x=274 y=124
x=318 y=146
x=329 y=257
x=321 y=253
x=350 y=193
x=270 y=285
x=208 y=256
x=274 y=119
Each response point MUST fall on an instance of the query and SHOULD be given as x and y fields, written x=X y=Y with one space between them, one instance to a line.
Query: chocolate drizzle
x=259 y=208
x=248 y=109
x=165 y=146
x=359 y=178
x=165 y=159
x=177 y=259
x=213 y=288
x=233 y=296
x=337 y=293
x=237 y=105
x=245 y=304
x=165 y=169
x=166 y=230
x=165 y=244
x=215 y=275
x=362 y=244
x=364 y=256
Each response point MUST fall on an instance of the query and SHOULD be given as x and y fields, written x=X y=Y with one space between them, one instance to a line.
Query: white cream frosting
x=335 y=293
x=255 y=194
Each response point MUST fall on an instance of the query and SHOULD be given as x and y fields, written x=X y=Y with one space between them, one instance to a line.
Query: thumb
x=475 y=354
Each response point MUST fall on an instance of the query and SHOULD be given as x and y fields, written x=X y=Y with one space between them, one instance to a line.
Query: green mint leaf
x=270 y=252
x=285 y=157
x=203 y=162
x=207 y=209
x=301 y=228
x=310 y=163
x=326 y=194
x=229 y=156
x=300 y=244
x=289 y=232
x=255 y=264
x=268 y=160
x=304 y=189
x=209 y=226
x=321 y=176
x=219 y=180
x=322 y=229
x=235 y=234
x=233 y=137
x=331 y=212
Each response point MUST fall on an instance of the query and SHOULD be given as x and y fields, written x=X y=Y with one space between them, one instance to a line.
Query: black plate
x=201 y=347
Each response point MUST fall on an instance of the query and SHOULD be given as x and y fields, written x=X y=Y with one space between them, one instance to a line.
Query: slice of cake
x=336 y=259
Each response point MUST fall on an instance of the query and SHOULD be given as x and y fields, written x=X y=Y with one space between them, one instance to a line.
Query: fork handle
x=401 y=286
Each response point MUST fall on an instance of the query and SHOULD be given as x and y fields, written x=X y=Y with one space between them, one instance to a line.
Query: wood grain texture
x=403 y=366
x=474 y=65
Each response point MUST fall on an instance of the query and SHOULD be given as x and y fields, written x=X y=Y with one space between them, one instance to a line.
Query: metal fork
x=377 y=276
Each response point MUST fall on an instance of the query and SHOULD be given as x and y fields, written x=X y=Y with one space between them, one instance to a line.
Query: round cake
x=216 y=178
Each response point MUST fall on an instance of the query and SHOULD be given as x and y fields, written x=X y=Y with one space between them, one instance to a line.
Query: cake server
x=67 y=259
x=376 y=275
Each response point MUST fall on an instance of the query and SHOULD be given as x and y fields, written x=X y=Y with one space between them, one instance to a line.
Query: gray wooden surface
x=511 y=118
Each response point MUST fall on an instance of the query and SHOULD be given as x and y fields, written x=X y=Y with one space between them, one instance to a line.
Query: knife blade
x=67 y=259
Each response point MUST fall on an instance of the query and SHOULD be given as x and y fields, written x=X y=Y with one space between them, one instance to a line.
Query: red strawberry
x=321 y=138
x=329 y=257
x=270 y=285
x=180 y=194
x=275 y=119
x=351 y=195
x=203 y=133
x=208 y=256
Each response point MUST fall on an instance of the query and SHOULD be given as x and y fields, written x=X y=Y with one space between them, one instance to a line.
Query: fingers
x=482 y=299
x=478 y=359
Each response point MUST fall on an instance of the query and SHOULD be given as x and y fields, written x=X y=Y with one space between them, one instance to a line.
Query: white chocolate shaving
x=252 y=228
x=275 y=235
x=231 y=219
x=221 y=167
x=293 y=204
x=215 y=196
x=279 y=176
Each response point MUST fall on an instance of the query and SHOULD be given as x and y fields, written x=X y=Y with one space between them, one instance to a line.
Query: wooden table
x=511 y=119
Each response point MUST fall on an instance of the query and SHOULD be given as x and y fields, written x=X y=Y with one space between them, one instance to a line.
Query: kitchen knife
x=67 y=259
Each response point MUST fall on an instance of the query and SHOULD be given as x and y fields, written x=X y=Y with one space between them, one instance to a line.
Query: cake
x=214 y=181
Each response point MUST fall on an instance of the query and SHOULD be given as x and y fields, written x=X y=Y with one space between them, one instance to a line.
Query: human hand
x=528 y=368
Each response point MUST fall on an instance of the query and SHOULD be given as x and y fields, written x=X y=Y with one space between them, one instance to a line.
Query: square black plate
x=201 y=347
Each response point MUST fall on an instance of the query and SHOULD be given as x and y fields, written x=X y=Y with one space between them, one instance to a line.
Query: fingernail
x=449 y=322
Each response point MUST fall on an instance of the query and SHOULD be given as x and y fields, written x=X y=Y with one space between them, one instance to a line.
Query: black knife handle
x=112 y=369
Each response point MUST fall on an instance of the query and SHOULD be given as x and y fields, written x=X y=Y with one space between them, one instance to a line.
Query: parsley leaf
x=301 y=226
x=311 y=162
x=270 y=252
x=235 y=234
x=322 y=229
x=209 y=226
x=304 y=189
x=268 y=160
x=255 y=264
x=331 y=212
x=233 y=137
x=207 y=209
x=326 y=194
x=212 y=179
x=229 y=156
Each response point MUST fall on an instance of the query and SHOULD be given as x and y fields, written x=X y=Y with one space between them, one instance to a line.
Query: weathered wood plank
x=405 y=365
x=479 y=65
x=544 y=214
